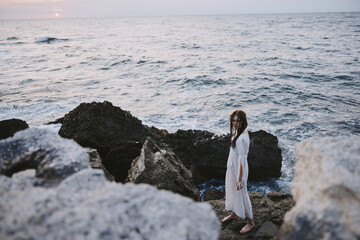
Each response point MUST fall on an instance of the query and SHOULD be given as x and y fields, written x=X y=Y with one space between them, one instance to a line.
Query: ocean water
x=295 y=75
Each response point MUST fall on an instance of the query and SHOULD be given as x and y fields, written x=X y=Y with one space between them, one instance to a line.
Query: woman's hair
x=243 y=121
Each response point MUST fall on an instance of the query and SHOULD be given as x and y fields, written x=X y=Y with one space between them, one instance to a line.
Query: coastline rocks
x=326 y=190
x=10 y=126
x=53 y=157
x=114 y=133
x=212 y=194
x=95 y=162
x=160 y=167
x=264 y=156
x=87 y=206
x=118 y=137
x=205 y=154
x=269 y=210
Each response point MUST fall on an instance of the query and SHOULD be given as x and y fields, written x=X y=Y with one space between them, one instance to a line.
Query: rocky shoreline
x=89 y=179
x=119 y=137
x=269 y=210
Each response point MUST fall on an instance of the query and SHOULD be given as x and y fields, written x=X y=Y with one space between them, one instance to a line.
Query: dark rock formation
x=160 y=167
x=206 y=154
x=9 y=127
x=269 y=211
x=202 y=152
x=116 y=134
x=95 y=162
x=264 y=156
x=53 y=157
x=118 y=137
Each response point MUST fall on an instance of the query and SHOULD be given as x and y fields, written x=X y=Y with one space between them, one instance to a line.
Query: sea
x=295 y=75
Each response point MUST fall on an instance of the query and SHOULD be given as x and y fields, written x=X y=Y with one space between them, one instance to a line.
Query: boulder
x=54 y=158
x=264 y=157
x=160 y=167
x=205 y=154
x=87 y=206
x=96 y=163
x=269 y=210
x=113 y=132
x=10 y=126
x=267 y=230
x=326 y=190
x=202 y=152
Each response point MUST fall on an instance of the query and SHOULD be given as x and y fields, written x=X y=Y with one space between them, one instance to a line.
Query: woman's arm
x=240 y=175
x=238 y=183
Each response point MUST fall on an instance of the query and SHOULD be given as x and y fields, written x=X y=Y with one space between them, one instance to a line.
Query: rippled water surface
x=296 y=75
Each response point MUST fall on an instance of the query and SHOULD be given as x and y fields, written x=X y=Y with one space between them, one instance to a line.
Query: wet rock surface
x=269 y=210
x=10 y=126
x=160 y=167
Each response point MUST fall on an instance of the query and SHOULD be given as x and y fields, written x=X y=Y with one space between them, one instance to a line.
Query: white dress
x=238 y=200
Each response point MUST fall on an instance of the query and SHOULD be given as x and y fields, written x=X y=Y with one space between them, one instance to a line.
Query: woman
x=237 y=198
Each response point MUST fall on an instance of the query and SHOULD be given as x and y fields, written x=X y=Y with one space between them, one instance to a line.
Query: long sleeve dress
x=238 y=200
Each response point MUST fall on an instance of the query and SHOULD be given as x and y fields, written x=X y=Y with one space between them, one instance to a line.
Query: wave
x=121 y=62
x=302 y=48
x=11 y=43
x=12 y=38
x=189 y=46
x=48 y=39
x=203 y=81
x=344 y=77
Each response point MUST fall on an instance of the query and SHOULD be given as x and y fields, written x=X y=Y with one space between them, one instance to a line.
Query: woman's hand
x=239 y=185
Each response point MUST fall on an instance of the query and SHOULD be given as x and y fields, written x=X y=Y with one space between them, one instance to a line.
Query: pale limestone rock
x=53 y=157
x=87 y=206
x=326 y=190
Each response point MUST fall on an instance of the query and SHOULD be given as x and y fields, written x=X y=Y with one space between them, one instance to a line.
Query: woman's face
x=236 y=123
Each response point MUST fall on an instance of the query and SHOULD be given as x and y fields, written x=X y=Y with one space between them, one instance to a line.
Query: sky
x=29 y=9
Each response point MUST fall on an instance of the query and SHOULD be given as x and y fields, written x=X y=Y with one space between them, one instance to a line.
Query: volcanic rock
x=118 y=137
x=205 y=154
x=264 y=156
x=160 y=167
x=116 y=134
x=10 y=126
x=95 y=162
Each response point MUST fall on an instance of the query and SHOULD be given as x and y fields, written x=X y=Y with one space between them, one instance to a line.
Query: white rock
x=87 y=206
x=53 y=157
x=326 y=190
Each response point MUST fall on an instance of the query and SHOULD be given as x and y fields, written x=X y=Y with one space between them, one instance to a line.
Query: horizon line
x=179 y=15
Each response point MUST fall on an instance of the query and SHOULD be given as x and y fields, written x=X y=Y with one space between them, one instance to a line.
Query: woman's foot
x=232 y=216
x=248 y=227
